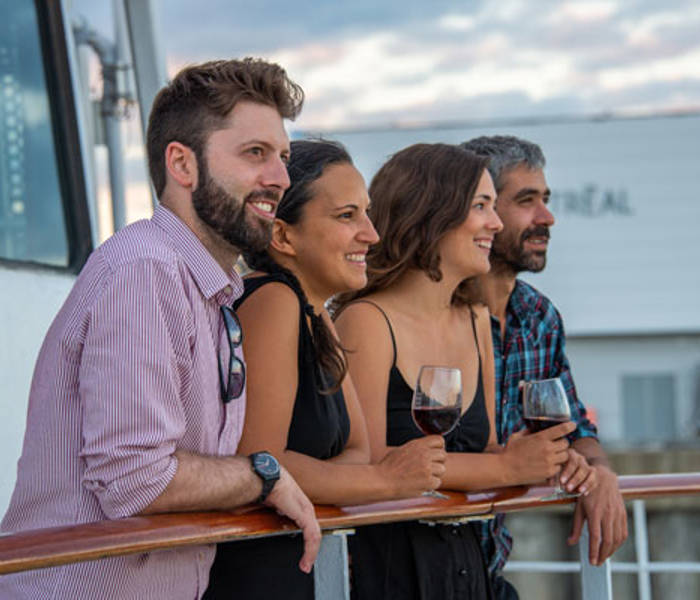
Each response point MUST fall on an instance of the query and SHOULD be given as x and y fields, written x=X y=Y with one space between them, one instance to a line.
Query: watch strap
x=268 y=480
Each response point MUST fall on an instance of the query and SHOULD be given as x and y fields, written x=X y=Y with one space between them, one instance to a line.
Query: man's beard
x=510 y=253
x=226 y=215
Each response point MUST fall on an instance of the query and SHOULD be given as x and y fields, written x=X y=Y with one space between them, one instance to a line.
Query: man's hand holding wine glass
x=536 y=457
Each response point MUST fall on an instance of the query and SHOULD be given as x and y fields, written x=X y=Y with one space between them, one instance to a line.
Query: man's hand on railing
x=288 y=500
x=604 y=510
x=577 y=475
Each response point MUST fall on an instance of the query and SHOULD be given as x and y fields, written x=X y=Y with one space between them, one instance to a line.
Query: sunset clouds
x=374 y=63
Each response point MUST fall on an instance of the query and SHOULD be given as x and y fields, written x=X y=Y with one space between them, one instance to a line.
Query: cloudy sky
x=381 y=62
x=377 y=62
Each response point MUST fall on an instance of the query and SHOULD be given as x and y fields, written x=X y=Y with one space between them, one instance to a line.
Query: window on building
x=42 y=212
x=649 y=406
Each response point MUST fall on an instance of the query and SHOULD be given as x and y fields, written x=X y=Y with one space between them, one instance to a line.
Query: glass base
x=434 y=494
x=559 y=494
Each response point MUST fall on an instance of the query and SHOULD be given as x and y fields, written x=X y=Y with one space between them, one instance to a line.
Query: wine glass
x=545 y=405
x=437 y=403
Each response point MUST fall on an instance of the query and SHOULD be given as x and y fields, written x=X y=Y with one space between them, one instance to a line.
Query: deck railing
x=61 y=545
x=642 y=567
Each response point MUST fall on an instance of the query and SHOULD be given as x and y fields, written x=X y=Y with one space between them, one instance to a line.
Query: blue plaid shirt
x=533 y=348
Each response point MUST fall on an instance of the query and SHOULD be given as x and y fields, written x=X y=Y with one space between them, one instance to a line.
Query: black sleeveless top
x=267 y=568
x=413 y=560
x=320 y=425
x=471 y=433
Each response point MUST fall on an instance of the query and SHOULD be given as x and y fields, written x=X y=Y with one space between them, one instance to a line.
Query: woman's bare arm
x=270 y=321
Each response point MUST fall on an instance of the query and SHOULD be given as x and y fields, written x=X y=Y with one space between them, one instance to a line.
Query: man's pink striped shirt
x=127 y=374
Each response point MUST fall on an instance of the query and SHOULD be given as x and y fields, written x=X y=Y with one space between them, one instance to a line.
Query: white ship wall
x=623 y=258
x=29 y=301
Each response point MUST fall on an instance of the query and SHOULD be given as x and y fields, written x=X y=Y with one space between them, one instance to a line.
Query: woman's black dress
x=413 y=560
x=267 y=568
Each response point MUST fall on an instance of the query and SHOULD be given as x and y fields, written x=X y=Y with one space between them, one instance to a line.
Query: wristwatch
x=267 y=468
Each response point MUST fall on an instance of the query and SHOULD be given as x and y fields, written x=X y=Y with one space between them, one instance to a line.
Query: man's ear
x=181 y=165
x=280 y=241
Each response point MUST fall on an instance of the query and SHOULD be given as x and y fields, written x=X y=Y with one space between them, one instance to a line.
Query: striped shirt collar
x=210 y=278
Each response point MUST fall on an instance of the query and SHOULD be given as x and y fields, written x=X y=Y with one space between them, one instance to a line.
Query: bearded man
x=138 y=397
x=529 y=344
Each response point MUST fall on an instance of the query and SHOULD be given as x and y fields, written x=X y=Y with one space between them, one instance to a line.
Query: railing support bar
x=331 y=573
x=641 y=543
x=596 y=582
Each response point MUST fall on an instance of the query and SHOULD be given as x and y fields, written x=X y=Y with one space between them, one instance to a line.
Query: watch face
x=266 y=464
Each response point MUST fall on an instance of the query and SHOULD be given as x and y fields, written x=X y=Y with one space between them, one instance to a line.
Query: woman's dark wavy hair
x=418 y=195
x=309 y=160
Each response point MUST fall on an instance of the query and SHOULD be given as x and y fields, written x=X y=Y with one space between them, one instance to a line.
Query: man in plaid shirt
x=529 y=340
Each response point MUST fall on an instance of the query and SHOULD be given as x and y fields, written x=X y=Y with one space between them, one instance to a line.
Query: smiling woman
x=300 y=404
x=320 y=238
x=434 y=207
x=333 y=240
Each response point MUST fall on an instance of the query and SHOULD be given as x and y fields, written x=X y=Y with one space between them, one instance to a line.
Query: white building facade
x=622 y=264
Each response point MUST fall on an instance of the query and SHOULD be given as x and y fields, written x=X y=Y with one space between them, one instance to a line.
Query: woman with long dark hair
x=301 y=405
x=433 y=207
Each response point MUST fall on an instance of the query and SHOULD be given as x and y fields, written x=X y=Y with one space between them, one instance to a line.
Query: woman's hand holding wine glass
x=415 y=466
x=437 y=403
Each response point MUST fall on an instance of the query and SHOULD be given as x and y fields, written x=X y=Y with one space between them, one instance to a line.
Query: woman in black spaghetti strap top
x=433 y=207
x=300 y=405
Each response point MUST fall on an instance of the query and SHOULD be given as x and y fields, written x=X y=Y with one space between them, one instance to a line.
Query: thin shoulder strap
x=476 y=336
x=388 y=322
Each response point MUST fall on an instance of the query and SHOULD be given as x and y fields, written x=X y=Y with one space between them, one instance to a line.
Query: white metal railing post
x=596 y=582
x=331 y=573
x=641 y=546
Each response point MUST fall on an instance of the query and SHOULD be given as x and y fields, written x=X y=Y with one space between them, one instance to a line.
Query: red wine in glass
x=535 y=424
x=436 y=420
x=437 y=403
x=545 y=405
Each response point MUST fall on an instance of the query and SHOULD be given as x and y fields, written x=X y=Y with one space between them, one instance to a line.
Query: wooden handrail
x=61 y=545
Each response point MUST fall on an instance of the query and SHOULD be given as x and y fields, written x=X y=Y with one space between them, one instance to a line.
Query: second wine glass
x=437 y=403
x=545 y=405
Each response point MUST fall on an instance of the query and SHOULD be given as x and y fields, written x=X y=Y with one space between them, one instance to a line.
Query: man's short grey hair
x=504 y=153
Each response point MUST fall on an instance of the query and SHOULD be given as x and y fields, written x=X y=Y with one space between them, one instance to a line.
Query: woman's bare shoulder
x=273 y=295
x=368 y=308
x=271 y=310
x=364 y=321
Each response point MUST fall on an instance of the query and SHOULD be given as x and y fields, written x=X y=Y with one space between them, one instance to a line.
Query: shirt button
x=228 y=290
x=454 y=531
x=462 y=572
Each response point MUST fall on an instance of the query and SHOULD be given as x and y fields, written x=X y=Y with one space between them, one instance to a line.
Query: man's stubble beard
x=508 y=254
x=225 y=214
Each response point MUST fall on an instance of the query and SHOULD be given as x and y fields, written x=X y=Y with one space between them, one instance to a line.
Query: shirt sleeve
x=134 y=369
x=585 y=428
